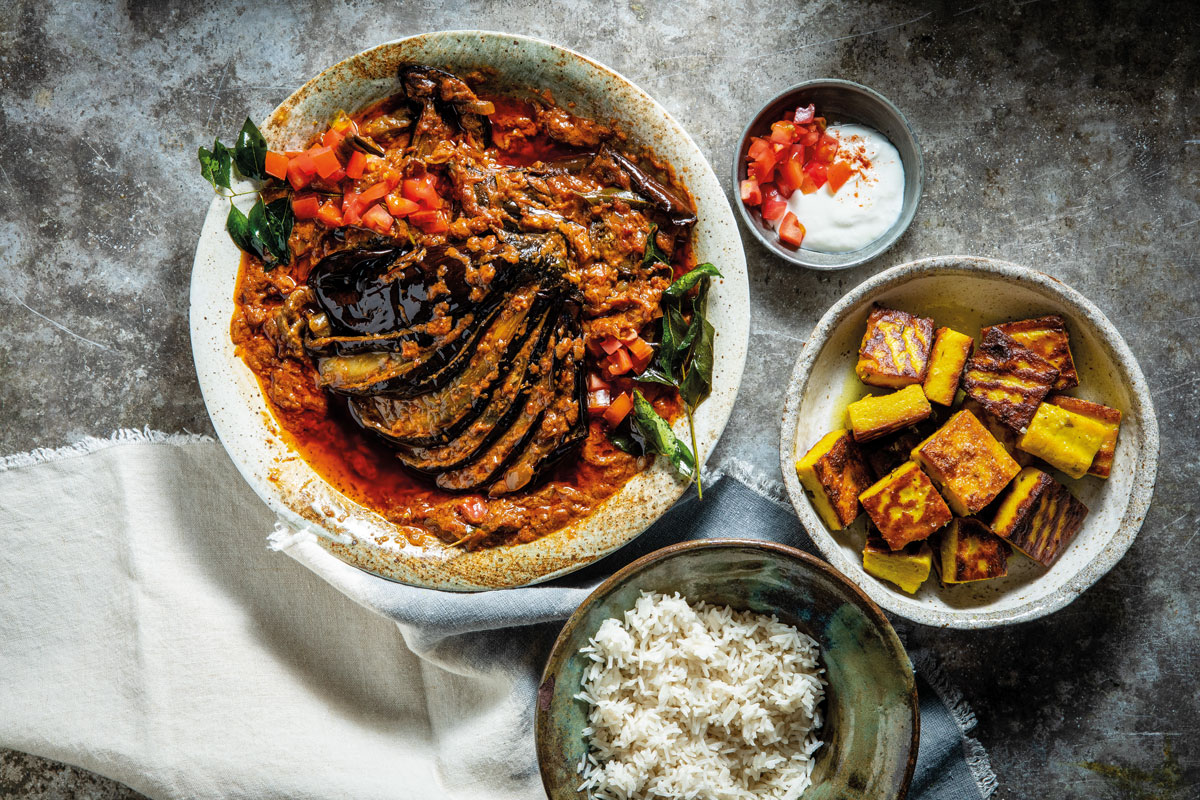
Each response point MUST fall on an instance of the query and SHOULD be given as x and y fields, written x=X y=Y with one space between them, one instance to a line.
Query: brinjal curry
x=466 y=306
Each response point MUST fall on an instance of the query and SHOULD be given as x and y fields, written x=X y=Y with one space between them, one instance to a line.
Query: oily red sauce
x=362 y=467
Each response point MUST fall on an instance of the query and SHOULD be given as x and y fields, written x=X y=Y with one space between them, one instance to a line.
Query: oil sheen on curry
x=440 y=347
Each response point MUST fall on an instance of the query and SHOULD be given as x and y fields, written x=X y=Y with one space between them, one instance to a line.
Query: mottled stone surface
x=1061 y=135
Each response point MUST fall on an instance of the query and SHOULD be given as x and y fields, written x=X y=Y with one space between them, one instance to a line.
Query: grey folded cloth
x=150 y=637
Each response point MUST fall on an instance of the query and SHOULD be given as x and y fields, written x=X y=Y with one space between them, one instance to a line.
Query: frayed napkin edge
x=91 y=444
x=976 y=756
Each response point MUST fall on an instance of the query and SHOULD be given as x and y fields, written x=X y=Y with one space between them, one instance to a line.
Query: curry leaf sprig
x=265 y=230
x=684 y=361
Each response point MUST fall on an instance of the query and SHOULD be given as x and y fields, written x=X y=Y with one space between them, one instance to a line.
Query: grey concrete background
x=1061 y=135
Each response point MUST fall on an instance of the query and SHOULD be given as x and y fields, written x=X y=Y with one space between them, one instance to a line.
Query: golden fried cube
x=875 y=416
x=895 y=349
x=907 y=568
x=1004 y=434
x=951 y=350
x=904 y=506
x=1038 y=516
x=966 y=462
x=834 y=474
x=1110 y=418
x=1048 y=337
x=1064 y=439
x=968 y=551
x=1008 y=379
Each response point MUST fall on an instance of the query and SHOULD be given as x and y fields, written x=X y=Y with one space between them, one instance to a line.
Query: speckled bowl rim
x=361 y=537
x=1147 y=449
x=866 y=253
x=559 y=653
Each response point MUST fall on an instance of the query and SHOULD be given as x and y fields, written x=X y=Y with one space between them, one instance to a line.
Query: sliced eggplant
x=484 y=469
x=499 y=413
x=668 y=202
x=437 y=417
x=563 y=426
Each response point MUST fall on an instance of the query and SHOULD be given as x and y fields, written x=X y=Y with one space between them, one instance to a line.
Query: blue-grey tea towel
x=148 y=635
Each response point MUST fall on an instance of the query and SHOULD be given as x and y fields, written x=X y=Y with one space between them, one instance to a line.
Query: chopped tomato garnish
x=618 y=409
x=401 y=207
x=332 y=139
x=305 y=206
x=619 y=363
x=595 y=382
x=826 y=149
x=790 y=230
x=369 y=196
x=300 y=171
x=773 y=205
x=791 y=176
x=758 y=148
x=376 y=218
x=811 y=138
x=640 y=349
x=354 y=167
x=783 y=132
x=431 y=222
x=330 y=214
x=817 y=171
x=423 y=191
x=350 y=207
x=325 y=160
x=610 y=344
x=838 y=173
x=473 y=510
x=763 y=170
x=751 y=194
x=276 y=165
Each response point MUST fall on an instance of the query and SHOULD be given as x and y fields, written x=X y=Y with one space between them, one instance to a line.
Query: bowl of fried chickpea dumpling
x=971 y=441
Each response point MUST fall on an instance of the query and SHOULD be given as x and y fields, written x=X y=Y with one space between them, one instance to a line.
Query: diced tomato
x=618 y=409
x=773 y=205
x=292 y=153
x=330 y=214
x=369 y=196
x=350 y=207
x=791 y=176
x=804 y=114
x=758 y=148
x=332 y=139
x=401 y=207
x=809 y=185
x=610 y=344
x=276 y=165
x=796 y=153
x=751 y=194
x=354 y=167
x=640 y=349
x=301 y=170
x=619 y=363
x=305 y=206
x=473 y=510
x=763 y=170
x=326 y=161
x=817 y=171
x=423 y=191
x=598 y=401
x=376 y=218
x=838 y=173
x=826 y=149
x=790 y=230
x=783 y=132
x=431 y=222
x=811 y=138
x=595 y=382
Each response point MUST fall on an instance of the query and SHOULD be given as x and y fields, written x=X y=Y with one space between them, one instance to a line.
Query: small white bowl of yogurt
x=857 y=216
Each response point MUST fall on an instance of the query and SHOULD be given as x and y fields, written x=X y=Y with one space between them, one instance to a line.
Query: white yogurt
x=867 y=204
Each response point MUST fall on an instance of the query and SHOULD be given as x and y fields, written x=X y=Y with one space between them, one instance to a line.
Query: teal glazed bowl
x=870 y=709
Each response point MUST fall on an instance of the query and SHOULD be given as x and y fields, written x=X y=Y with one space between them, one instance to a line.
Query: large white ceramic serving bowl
x=356 y=534
x=966 y=293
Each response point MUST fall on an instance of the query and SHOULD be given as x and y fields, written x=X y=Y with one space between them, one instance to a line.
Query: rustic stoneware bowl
x=305 y=500
x=839 y=101
x=965 y=293
x=871 y=721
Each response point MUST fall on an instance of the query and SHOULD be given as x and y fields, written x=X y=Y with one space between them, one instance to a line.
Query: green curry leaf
x=652 y=254
x=659 y=438
x=250 y=153
x=688 y=281
x=264 y=232
x=214 y=165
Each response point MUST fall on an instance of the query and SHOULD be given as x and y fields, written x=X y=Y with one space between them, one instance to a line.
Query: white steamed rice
x=699 y=701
